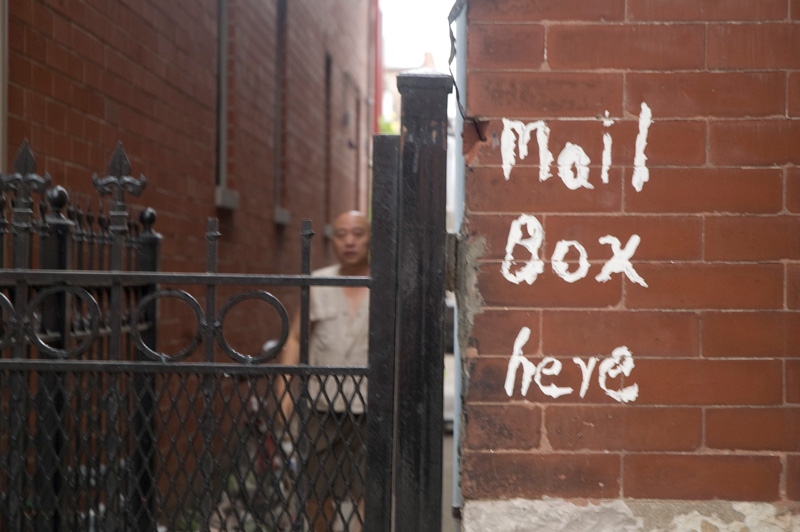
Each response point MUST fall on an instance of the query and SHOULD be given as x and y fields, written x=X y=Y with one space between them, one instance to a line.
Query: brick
x=516 y=46
x=794 y=94
x=709 y=190
x=87 y=45
x=533 y=476
x=62 y=30
x=752 y=238
x=754 y=143
x=793 y=469
x=21 y=10
x=492 y=329
x=621 y=428
x=58 y=56
x=549 y=290
x=754 y=46
x=493 y=229
x=487 y=190
x=670 y=143
x=663 y=238
x=43 y=19
x=737 y=478
x=538 y=10
x=698 y=94
x=35 y=45
x=706 y=10
x=42 y=80
x=19 y=69
x=35 y=107
x=646 y=334
x=633 y=47
x=16 y=99
x=751 y=334
x=488 y=375
x=507 y=427
x=712 y=286
x=16 y=36
x=793 y=286
x=768 y=429
x=543 y=94
x=56 y=115
x=707 y=382
x=793 y=380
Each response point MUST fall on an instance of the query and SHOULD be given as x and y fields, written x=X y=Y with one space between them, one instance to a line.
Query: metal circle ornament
x=94 y=322
x=186 y=351
x=275 y=349
x=6 y=305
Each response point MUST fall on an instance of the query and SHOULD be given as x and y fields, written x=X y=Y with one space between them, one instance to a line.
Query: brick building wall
x=84 y=74
x=692 y=110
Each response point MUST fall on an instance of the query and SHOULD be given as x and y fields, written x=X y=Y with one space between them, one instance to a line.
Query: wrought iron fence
x=101 y=431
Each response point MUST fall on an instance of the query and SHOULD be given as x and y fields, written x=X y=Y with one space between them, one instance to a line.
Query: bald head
x=351 y=234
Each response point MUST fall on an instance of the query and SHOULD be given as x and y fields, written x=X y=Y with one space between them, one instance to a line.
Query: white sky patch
x=413 y=27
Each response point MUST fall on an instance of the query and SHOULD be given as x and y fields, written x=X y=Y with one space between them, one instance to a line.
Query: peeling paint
x=468 y=297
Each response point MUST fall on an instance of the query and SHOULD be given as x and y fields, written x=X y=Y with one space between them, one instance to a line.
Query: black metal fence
x=100 y=431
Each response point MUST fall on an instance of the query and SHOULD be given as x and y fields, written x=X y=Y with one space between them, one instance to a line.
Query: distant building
x=259 y=113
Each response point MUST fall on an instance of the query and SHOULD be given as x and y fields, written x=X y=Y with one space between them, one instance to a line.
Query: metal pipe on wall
x=3 y=84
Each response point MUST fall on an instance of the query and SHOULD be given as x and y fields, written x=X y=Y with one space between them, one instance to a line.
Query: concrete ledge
x=627 y=515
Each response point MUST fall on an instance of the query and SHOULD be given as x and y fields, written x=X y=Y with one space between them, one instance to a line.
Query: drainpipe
x=458 y=16
x=282 y=216
x=3 y=84
x=224 y=198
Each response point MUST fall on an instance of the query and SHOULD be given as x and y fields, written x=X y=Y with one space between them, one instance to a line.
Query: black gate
x=101 y=431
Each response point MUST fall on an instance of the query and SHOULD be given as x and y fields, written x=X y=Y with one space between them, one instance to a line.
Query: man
x=339 y=331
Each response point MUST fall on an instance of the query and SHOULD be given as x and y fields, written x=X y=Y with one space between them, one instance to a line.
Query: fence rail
x=101 y=431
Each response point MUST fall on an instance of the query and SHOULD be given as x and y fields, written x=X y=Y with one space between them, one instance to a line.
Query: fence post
x=420 y=281
x=142 y=487
x=382 y=308
x=23 y=182
x=55 y=253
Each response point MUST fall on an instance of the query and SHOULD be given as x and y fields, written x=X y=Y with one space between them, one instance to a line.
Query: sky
x=413 y=27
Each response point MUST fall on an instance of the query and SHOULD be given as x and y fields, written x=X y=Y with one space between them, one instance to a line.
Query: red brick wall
x=86 y=73
x=714 y=336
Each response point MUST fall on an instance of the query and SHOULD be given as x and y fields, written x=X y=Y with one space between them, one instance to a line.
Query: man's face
x=351 y=239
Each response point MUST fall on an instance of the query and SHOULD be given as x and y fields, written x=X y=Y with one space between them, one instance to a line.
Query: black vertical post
x=421 y=306
x=116 y=183
x=382 y=305
x=142 y=496
x=55 y=253
x=207 y=419
x=23 y=181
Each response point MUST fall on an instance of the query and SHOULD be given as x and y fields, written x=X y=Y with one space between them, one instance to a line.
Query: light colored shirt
x=340 y=337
